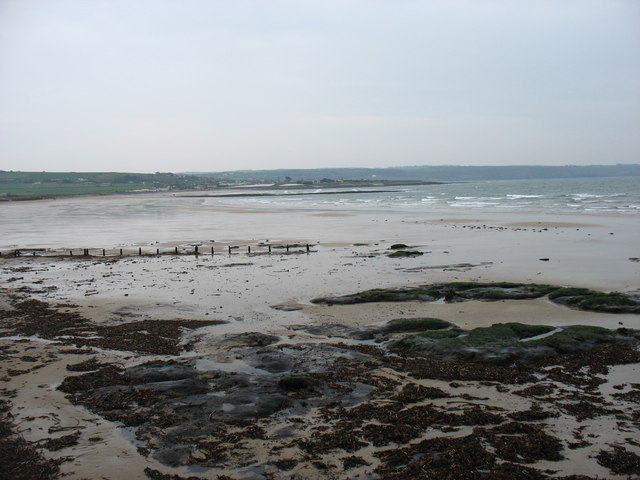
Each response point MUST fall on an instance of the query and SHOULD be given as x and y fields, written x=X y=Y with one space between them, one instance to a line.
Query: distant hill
x=444 y=173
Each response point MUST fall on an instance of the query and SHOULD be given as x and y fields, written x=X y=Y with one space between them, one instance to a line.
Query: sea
x=615 y=195
x=145 y=219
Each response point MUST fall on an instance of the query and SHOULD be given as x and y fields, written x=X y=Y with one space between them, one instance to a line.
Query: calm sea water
x=619 y=195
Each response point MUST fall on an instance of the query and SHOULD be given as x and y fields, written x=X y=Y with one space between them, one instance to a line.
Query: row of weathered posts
x=86 y=252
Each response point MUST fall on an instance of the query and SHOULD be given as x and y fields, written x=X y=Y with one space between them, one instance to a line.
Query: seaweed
x=415 y=325
x=501 y=331
x=620 y=461
x=581 y=298
x=392 y=295
x=468 y=285
x=506 y=343
x=569 y=292
x=598 y=300
x=405 y=253
x=19 y=459
x=575 y=337
x=440 y=334
x=586 y=299
x=353 y=462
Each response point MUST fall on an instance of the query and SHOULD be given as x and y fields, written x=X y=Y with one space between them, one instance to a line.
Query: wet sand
x=271 y=294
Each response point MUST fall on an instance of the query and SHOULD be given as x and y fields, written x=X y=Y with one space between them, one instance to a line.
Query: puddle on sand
x=620 y=375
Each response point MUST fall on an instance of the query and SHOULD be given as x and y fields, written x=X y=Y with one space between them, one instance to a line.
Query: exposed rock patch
x=580 y=298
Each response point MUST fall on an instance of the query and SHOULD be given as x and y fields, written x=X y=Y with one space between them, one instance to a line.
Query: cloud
x=286 y=83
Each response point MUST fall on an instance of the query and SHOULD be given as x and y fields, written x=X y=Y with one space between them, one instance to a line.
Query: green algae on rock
x=405 y=253
x=581 y=298
x=415 y=325
x=438 y=334
x=505 y=343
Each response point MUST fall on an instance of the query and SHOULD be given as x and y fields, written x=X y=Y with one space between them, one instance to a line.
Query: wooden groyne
x=196 y=250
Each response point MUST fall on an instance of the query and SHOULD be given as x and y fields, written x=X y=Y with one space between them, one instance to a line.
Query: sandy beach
x=226 y=332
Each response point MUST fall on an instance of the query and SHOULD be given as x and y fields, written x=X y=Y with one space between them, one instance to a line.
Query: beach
x=220 y=399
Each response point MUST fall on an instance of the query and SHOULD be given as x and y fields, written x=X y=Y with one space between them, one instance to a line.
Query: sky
x=214 y=85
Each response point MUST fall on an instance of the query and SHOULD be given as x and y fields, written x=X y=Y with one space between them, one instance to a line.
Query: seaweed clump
x=405 y=253
x=580 y=337
x=415 y=325
x=581 y=298
x=505 y=343
x=620 y=461
x=19 y=459
x=586 y=299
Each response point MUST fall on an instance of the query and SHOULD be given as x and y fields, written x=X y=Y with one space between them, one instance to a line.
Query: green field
x=20 y=191
x=36 y=185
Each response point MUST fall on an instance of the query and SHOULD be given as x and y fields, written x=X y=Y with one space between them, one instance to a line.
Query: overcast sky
x=196 y=85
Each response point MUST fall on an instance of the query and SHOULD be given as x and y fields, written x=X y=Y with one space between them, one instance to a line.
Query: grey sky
x=197 y=85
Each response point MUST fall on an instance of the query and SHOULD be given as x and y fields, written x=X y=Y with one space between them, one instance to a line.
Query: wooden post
x=139 y=250
x=212 y=251
x=176 y=250
x=307 y=247
x=229 y=249
x=248 y=248
x=34 y=254
x=120 y=252
x=196 y=252
x=269 y=248
x=157 y=251
x=103 y=252
x=71 y=253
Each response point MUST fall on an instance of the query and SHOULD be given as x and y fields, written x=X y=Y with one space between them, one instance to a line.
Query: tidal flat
x=476 y=359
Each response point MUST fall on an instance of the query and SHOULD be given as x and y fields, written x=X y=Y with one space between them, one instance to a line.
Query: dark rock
x=415 y=325
x=173 y=456
x=249 y=339
x=287 y=308
x=294 y=383
x=405 y=253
